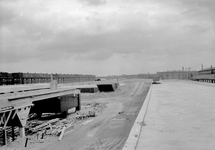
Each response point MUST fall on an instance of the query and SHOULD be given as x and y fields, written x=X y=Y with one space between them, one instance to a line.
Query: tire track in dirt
x=140 y=89
x=114 y=143
x=92 y=133
x=134 y=89
x=137 y=90
x=106 y=144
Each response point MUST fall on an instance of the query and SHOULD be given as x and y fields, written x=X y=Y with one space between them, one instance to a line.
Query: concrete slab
x=23 y=87
x=180 y=116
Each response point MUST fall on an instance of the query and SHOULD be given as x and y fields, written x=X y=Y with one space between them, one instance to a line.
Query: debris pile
x=39 y=131
x=52 y=127
x=98 y=107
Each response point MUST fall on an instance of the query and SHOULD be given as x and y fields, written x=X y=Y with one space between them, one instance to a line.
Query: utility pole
x=202 y=66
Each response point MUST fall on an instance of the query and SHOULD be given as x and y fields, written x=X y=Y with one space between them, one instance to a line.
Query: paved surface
x=180 y=116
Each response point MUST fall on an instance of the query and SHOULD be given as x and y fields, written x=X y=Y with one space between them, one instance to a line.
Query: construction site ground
x=109 y=129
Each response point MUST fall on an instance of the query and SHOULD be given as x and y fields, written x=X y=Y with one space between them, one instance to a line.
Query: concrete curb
x=133 y=138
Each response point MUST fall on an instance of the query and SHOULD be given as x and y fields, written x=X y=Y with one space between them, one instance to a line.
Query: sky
x=106 y=37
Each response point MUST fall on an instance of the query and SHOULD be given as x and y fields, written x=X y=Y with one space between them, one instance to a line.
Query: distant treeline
x=30 y=78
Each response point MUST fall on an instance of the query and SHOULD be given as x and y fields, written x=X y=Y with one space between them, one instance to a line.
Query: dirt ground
x=108 y=130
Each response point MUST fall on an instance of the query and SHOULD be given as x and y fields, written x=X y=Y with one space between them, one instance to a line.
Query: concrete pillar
x=53 y=85
x=21 y=131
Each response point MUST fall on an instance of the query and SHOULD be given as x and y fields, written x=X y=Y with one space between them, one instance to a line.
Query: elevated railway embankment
x=177 y=115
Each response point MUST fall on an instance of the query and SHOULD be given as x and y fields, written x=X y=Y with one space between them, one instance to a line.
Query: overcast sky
x=106 y=37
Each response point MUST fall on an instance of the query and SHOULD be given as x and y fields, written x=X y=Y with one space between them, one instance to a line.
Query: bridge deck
x=22 y=87
x=15 y=95
x=20 y=99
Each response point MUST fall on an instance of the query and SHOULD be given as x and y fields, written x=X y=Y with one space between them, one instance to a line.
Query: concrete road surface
x=180 y=116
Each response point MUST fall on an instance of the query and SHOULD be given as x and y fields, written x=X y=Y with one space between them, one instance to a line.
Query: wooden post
x=5 y=136
x=79 y=103
x=26 y=142
x=13 y=134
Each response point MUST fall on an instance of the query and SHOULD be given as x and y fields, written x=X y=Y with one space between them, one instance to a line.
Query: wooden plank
x=2 y=118
x=62 y=133
x=5 y=136
x=8 y=117
x=15 y=112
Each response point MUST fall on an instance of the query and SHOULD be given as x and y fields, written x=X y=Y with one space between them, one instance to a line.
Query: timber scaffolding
x=30 y=78
x=16 y=107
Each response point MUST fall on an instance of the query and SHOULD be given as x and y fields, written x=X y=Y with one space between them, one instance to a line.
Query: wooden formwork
x=13 y=117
